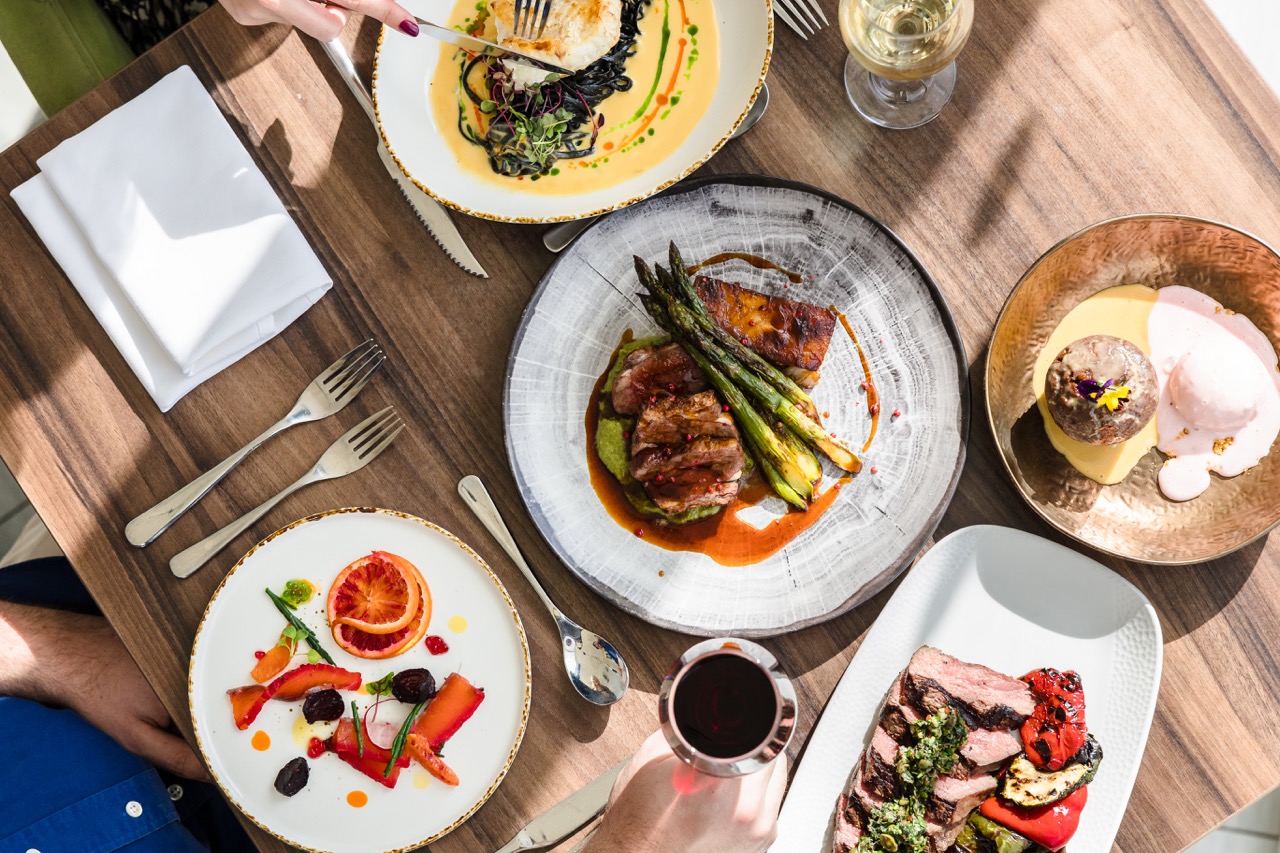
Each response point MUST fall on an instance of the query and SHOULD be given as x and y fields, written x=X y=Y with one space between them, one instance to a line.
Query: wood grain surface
x=1064 y=114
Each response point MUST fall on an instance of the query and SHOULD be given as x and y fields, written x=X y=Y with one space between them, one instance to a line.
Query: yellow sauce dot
x=420 y=779
x=261 y=741
x=357 y=799
x=303 y=731
x=457 y=624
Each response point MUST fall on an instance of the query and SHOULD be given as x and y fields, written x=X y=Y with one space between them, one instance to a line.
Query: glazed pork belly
x=686 y=452
x=650 y=373
x=792 y=335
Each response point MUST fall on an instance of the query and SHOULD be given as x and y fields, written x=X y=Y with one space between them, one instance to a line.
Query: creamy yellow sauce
x=1121 y=312
x=643 y=126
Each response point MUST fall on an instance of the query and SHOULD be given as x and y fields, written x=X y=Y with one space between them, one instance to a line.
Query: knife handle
x=341 y=59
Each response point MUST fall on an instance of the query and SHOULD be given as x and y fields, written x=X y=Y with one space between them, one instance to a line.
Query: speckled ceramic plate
x=994 y=596
x=470 y=610
x=877 y=523
x=403 y=68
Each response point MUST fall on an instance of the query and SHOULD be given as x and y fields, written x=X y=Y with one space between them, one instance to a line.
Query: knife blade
x=566 y=817
x=474 y=44
x=429 y=211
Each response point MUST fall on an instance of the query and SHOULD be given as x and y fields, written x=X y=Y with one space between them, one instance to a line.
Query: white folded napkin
x=172 y=236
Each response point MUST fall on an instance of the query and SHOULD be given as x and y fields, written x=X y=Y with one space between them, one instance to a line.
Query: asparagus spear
x=686 y=293
x=770 y=450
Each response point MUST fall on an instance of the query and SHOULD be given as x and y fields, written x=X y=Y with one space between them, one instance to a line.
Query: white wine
x=905 y=39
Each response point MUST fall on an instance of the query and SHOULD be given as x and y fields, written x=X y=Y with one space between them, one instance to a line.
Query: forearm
x=35 y=646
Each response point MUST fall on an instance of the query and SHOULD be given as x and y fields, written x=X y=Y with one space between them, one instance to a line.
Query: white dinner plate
x=403 y=68
x=470 y=610
x=1014 y=602
x=879 y=520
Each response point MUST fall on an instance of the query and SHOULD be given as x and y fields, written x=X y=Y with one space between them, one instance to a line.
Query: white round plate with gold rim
x=402 y=75
x=490 y=650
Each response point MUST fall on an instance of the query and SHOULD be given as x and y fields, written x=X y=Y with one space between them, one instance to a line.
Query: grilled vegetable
x=1052 y=825
x=1028 y=785
x=981 y=835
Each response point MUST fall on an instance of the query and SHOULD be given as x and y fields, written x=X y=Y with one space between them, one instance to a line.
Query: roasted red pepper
x=1051 y=826
x=1056 y=730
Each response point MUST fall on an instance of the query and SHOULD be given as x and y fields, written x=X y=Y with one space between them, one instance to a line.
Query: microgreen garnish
x=397 y=745
x=295 y=622
x=297 y=592
x=1104 y=394
x=313 y=656
x=289 y=638
x=381 y=687
x=355 y=716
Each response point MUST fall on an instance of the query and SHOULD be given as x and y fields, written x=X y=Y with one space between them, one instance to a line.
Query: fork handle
x=144 y=529
x=185 y=563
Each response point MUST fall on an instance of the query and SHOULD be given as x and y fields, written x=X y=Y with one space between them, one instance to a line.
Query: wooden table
x=1065 y=114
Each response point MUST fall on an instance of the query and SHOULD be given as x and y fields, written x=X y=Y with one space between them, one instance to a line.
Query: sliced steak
x=722 y=456
x=877 y=764
x=897 y=716
x=848 y=827
x=785 y=332
x=987 y=749
x=987 y=699
x=861 y=801
x=668 y=420
x=650 y=373
x=954 y=798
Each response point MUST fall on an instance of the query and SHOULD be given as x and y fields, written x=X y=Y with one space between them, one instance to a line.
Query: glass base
x=897 y=104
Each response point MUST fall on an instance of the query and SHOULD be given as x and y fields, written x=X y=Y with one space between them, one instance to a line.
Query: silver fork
x=360 y=446
x=326 y=395
x=533 y=11
x=807 y=12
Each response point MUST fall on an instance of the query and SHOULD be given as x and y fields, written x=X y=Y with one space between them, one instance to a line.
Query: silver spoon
x=557 y=237
x=594 y=666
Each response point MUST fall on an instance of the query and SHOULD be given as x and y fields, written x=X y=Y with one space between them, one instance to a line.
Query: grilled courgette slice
x=1027 y=785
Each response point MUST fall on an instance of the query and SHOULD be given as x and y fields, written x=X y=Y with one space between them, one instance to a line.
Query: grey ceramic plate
x=878 y=522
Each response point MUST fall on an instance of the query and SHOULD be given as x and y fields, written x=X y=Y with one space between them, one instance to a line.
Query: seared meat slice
x=853 y=808
x=954 y=798
x=987 y=749
x=669 y=419
x=785 y=332
x=848 y=827
x=877 y=764
x=721 y=456
x=987 y=699
x=896 y=716
x=655 y=372
x=687 y=488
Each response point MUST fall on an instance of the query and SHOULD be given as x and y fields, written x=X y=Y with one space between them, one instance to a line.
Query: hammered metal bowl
x=1131 y=519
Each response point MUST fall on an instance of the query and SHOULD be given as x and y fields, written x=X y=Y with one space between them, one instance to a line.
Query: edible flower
x=1104 y=394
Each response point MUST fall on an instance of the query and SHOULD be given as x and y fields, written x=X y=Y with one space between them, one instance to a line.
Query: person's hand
x=661 y=804
x=78 y=661
x=319 y=20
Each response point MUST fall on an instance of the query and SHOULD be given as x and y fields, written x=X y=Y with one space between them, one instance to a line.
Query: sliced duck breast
x=653 y=373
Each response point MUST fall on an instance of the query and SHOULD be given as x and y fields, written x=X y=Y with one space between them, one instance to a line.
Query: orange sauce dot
x=662 y=99
x=357 y=799
x=261 y=741
x=608 y=146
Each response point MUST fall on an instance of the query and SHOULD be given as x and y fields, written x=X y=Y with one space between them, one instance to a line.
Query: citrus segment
x=377 y=594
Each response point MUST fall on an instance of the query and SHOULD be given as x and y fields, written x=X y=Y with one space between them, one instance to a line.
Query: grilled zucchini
x=1027 y=785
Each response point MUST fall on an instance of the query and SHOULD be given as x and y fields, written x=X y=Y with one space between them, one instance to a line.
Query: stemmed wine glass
x=901 y=67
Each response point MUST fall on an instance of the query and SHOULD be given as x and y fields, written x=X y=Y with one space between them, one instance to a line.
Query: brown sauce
x=873 y=396
x=723 y=537
x=754 y=260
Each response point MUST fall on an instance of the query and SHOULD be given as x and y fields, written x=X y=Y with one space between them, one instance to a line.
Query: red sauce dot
x=315 y=748
x=436 y=645
x=259 y=654
x=662 y=99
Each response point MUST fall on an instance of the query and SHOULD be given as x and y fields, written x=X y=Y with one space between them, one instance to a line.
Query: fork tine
x=804 y=8
x=546 y=13
x=782 y=13
x=515 y=20
x=358 y=431
x=351 y=368
x=373 y=435
x=371 y=453
x=343 y=360
x=793 y=9
x=818 y=8
x=351 y=385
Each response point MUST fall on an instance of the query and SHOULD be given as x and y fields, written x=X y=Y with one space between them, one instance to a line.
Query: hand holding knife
x=568 y=816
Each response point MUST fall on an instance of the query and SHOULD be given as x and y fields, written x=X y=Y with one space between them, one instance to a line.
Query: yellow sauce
x=643 y=126
x=1121 y=312
x=457 y=624
x=420 y=779
x=303 y=731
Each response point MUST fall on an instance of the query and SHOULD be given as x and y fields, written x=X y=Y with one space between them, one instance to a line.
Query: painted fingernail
x=409 y=27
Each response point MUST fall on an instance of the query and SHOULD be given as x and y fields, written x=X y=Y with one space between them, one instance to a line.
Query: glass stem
x=898 y=91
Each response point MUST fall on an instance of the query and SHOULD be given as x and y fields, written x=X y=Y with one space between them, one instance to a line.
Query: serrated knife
x=429 y=211
x=566 y=817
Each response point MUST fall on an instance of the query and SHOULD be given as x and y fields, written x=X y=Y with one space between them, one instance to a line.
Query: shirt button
x=33 y=850
x=175 y=792
x=133 y=809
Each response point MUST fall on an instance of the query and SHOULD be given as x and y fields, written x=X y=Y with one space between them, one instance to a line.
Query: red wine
x=725 y=706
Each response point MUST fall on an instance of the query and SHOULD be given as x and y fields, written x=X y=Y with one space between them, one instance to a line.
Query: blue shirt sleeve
x=70 y=788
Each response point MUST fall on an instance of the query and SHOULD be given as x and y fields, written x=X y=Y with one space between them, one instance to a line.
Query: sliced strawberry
x=273 y=662
x=417 y=746
x=295 y=683
x=374 y=760
x=448 y=710
x=246 y=702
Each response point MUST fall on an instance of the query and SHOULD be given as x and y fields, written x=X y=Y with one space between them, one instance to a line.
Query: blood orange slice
x=377 y=646
x=377 y=594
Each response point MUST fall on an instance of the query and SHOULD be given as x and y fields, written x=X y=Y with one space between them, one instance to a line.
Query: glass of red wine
x=727 y=708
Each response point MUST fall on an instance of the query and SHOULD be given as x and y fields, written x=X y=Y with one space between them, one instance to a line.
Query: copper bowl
x=1131 y=519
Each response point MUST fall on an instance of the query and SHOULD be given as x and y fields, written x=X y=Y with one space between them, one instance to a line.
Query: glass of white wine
x=901 y=67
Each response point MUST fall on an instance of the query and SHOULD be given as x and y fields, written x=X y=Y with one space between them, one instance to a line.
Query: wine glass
x=901 y=67
x=727 y=708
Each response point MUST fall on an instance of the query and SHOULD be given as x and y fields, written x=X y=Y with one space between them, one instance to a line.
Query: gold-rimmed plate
x=713 y=68
x=1131 y=519
x=340 y=809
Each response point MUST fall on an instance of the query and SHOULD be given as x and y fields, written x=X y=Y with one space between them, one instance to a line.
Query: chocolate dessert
x=1101 y=390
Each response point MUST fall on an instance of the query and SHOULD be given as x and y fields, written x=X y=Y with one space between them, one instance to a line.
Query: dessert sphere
x=1218 y=385
x=1101 y=390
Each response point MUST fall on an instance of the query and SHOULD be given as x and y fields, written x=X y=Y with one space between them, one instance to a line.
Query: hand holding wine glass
x=901 y=67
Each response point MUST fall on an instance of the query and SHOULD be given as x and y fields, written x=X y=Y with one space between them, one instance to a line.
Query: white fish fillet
x=578 y=32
